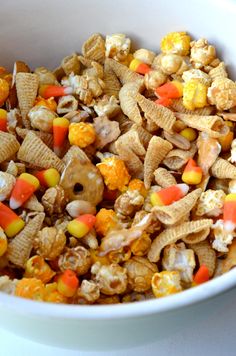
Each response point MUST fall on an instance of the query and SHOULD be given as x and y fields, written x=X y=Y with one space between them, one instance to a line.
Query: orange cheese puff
x=80 y=226
x=3 y=120
x=137 y=184
x=170 y=90
x=164 y=101
x=60 y=132
x=24 y=188
x=81 y=134
x=38 y=268
x=48 y=177
x=202 y=275
x=169 y=195
x=52 y=295
x=67 y=283
x=139 y=67
x=47 y=91
x=114 y=173
x=4 y=91
x=192 y=173
x=31 y=288
x=49 y=103
x=226 y=140
x=229 y=212
x=9 y=221
x=106 y=219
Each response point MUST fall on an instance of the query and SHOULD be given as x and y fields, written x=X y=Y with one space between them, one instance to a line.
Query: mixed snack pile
x=118 y=176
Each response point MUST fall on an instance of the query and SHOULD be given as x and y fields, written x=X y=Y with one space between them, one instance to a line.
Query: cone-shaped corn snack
x=8 y=146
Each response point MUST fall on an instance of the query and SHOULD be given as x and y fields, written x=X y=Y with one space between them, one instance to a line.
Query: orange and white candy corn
x=48 y=177
x=67 y=283
x=60 y=133
x=3 y=120
x=229 y=212
x=24 y=188
x=170 y=90
x=192 y=173
x=9 y=221
x=139 y=67
x=80 y=226
x=169 y=195
x=47 y=91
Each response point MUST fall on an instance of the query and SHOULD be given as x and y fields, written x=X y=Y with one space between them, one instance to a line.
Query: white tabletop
x=214 y=336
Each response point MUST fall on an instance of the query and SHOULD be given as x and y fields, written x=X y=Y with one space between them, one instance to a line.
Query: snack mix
x=118 y=175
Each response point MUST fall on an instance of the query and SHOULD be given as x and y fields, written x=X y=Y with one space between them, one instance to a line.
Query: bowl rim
x=186 y=298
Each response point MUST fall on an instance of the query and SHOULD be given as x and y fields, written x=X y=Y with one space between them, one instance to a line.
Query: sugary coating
x=114 y=173
x=211 y=203
x=117 y=46
x=77 y=259
x=179 y=258
x=81 y=134
x=166 y=283
x=176 y=42
x=223 y=237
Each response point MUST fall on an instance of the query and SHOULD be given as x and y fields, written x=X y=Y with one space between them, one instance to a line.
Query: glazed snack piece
x=117 y=172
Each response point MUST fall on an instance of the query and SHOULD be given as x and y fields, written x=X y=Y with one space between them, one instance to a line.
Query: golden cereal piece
x=20 y=247
x=213 y=125
x=67 y=104
x=33 y=149
x=8 y=146
x=166 y=283
x=71 y=64
x=177 y=158
x=27 y=88
x=128 y=103
x=46 y=137
x=218 y=72
x=222 y=169
x=206 y=255
x=156 y=152
x=123 y=73
x=173 y=213
x=33 y=204
x=164 y=178
x=50 y=242
x=112 y=83
x=111 y=279
x=94 y=48
x=173 y=234
x=161 y=115
x=140 y=272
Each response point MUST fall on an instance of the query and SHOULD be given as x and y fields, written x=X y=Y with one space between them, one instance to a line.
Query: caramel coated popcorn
x=117 y=172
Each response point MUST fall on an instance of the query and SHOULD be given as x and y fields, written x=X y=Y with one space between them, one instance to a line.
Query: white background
x=215 y=336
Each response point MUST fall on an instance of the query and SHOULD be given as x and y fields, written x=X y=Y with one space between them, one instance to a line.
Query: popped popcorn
x=91 y=157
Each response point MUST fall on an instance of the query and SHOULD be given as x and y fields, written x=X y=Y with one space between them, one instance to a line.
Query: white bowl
x=41 y=33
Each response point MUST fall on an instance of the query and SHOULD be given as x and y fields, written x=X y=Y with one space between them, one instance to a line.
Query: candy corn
x=24 y=188
x=60 y=132
x=47 y=91
x=67 y=283
x=202 y=275
x=139 y=67
x=169 y=195
x=192 y=173
x=170 y=90
x=3 y=120
x=164 y=101
x=48 y=177
x=3 y=242
x=80 y=226
x=229 y=212
x=9 y=221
